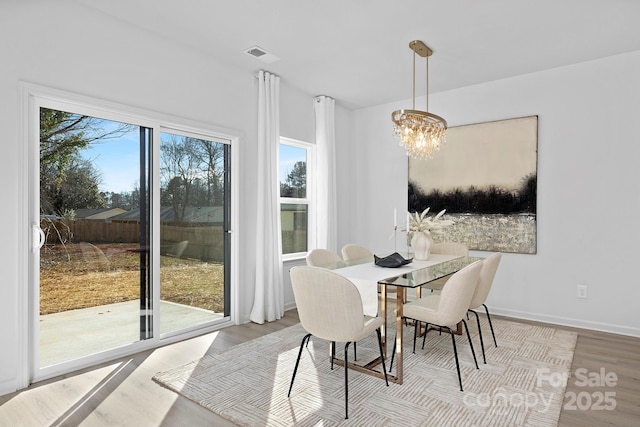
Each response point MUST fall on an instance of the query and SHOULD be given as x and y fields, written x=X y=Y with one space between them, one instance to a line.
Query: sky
x=289 y=155
x=118 y=162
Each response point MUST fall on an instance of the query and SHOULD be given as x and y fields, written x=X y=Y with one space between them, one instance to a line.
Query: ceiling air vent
x=256 y=51
x=261 y=54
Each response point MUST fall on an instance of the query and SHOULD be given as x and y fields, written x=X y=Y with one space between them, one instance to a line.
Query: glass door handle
x=39 y=238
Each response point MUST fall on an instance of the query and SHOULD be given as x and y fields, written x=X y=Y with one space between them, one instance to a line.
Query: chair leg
x=295 y=370
x=393 y=352
x=470 y=344
x=355 y=354
x=490 y=325
x=332 y=352
x=484 y=359
x=346 y=383
x=415 y=333
x=455 y=353
x=384 y=368
x=424 y=338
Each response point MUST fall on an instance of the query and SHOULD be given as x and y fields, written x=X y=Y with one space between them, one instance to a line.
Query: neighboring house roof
x=207 y=214
x=50 y=217
x=103 y=213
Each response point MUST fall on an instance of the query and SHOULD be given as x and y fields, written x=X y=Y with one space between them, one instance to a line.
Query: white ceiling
x=357 y=50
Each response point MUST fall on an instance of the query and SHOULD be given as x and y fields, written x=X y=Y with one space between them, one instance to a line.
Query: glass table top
x=415 y=278
x=425 y=275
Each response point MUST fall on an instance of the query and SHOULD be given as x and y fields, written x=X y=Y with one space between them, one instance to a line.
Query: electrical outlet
x=582 y=291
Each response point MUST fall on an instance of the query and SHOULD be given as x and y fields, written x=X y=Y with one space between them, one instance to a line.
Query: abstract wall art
x=485 y=176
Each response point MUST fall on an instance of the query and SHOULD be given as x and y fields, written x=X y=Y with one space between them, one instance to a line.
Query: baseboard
x=566 y=321
x=556 y=320
x=9 y=386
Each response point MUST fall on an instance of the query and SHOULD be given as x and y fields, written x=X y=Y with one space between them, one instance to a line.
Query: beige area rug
x=519 y=385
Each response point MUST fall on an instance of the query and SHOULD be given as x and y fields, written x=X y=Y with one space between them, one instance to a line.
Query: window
x=296 y=195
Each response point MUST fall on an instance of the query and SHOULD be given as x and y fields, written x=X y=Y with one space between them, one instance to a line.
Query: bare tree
x=63 y=173
x=178 y=169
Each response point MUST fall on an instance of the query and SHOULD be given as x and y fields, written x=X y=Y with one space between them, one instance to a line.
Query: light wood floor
x=597 y=351
x=122 y=393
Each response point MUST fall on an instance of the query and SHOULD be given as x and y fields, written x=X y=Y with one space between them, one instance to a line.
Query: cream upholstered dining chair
x=330 y=308
x=488 y=273
x=353 y=251
x=449 y=248
x=447 y=309
x=322 y=257
x=325 y=257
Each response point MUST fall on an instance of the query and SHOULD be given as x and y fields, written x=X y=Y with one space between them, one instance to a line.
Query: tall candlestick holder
x=395 y=238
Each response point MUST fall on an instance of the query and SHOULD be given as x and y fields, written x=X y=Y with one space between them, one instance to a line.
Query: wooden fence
x=203 y=243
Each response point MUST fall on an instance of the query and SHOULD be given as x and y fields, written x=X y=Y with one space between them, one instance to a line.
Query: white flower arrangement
x=421 y=222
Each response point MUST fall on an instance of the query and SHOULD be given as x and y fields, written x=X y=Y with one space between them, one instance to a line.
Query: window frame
x=309 y=200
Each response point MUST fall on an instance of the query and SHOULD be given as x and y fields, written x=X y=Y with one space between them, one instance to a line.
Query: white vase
x=421 y=243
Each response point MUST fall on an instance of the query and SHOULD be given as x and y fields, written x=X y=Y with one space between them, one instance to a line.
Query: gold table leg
x=401 y=294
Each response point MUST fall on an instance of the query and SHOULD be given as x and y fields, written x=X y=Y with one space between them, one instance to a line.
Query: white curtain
x=327 y=216
x=268 y=302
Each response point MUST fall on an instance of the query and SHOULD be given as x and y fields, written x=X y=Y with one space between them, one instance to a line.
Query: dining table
x=369 y=277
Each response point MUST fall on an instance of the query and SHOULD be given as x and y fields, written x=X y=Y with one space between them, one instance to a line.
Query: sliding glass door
x=131 y=249
x=194 y=225
x=93 y=263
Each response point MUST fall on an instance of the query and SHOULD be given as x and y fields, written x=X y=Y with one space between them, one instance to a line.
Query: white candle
x=395 y=217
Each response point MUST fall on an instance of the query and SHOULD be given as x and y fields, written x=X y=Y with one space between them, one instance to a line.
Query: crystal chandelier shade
x=419 y=132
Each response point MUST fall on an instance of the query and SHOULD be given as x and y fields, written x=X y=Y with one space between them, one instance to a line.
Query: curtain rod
x=257 y=75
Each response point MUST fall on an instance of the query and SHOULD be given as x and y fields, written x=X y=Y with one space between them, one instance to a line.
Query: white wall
x=588 y=188
x=66 y=46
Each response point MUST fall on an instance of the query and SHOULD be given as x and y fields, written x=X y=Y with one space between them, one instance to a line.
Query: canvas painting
x=485 y=176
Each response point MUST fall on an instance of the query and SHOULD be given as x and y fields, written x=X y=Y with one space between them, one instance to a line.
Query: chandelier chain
x=414 y=80
x=427 y=84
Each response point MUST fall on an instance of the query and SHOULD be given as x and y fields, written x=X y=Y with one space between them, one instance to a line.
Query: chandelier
x=420 y=132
